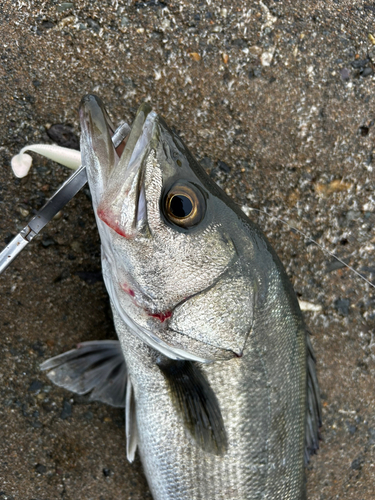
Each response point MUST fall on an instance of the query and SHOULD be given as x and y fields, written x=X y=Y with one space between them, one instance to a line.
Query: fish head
x=167 y=244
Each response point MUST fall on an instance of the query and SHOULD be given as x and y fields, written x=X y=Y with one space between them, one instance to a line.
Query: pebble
x=332 y=187
x=351 y=428
x=23 y=211
x=206 y=163
x=195 y=56
x=63 y=135
x=308 y=306
x=93 y=25
x=352 y=215
x=363 y=130
x=342 y=306
x=38 y=348
x=360 y=63
x=66 y=410
x=255 y=51
x=254 y=73
x=76 y=246
x=371 y=440
x=345 y=74
x=367 y=72
x=64 y=6
x=35 y=386
x=88 y=415
x=47 y=241
x=334 y=265
x=40 y=469
x=266 y=58
x=368 y=269
x=357 y=463
x=223 y=166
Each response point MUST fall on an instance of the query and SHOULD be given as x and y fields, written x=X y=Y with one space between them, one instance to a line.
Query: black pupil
x=180 y=206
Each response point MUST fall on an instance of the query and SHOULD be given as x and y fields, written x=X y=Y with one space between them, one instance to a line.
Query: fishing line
x=315 y=243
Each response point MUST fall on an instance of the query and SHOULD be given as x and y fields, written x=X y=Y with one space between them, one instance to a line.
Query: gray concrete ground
x=277 y=100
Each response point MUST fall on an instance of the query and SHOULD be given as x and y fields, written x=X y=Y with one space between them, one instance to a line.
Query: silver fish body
x=219 y=378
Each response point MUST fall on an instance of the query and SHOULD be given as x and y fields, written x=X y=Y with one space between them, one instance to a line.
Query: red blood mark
x=127 y=289
x=161 y=316
x=107 y=218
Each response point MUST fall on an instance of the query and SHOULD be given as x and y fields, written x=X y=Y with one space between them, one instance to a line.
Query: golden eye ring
x=184 y=205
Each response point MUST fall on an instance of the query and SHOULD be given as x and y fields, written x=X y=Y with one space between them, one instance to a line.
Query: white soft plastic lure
x=21 y=163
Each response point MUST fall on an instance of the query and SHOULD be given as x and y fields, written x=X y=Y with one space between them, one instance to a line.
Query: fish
x=213 y=364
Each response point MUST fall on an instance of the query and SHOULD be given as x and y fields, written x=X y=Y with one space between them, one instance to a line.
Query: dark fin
x=314 y=409
x=196 y=402
x=97 y=366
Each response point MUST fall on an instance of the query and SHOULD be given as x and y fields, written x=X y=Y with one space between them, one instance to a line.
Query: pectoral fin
x=97 y=366
x=196 y=402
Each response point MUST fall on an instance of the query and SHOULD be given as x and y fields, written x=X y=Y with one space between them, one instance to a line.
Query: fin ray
x=314 y=409
x=130 y=423
x=97 y=367
x=197 y=404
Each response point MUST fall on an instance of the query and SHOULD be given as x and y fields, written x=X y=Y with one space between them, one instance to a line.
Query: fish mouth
x=116 y=174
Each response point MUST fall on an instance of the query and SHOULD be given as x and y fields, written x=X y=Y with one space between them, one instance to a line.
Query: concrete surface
x=283 y=94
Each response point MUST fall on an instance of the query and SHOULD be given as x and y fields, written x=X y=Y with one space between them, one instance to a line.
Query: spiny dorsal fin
x=196 y=402
x=314 y=410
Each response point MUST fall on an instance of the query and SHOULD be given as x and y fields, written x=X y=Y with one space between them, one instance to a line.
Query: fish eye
x=180 y=206
x=184 y=205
